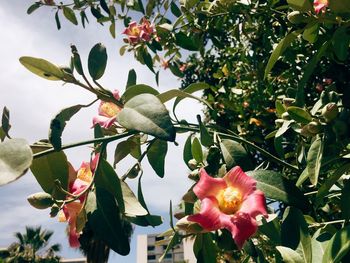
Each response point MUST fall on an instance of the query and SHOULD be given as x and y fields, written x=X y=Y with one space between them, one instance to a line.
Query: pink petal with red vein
x=116 y=94
x=241 y=226
x=104 y=122
x=254 y=204
x=241 y=181
x=94 y=162
x=208 y=186
x=209 y=216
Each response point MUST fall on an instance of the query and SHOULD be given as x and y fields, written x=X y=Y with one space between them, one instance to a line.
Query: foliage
x=32 y=246
x=274 y=76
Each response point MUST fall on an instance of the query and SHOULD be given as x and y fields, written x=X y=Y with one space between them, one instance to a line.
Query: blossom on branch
x=107 y=112
x=231 y=202
x=78 y=182
x=137 y=33
x=320 y=5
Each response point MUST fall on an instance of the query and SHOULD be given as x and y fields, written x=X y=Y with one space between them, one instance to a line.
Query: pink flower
x=320 y=5
x=231 y=202
x=137 y=33
x=78 y=183
x=107 y=112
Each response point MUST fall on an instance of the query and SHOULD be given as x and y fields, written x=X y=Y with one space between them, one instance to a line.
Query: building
x=149 y=252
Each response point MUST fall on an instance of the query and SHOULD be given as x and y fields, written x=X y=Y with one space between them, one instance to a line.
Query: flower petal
x=207 y=185
x=254 y=204
x=105 y=122
x=116 y=94
x=241 y=226
x=209 y=216
x=241 y=181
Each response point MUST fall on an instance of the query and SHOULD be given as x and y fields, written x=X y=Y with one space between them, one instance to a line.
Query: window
x=150 y=248
x=159 y=238
x=168 y=256
x=150 y=257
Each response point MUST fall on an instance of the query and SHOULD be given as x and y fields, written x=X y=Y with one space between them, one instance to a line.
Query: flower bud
x=330 y=111
x=192 y=164
x=40 y=200
x=314 y=127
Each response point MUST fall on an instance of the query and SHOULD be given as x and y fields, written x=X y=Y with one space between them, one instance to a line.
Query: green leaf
x=42 y=68
x=123 y=149
x=135 y=90
x=289 y=255
x=156 y=156
x=175 y=93
x=107 y=179
x=49 y=168
x=104 y=218
x=70 y=15
x=310 y=33
x=300 y=5
x=187 y=153
x=338 y=246
x=280 y=109
x=132 y=205
x=295 y=233
x=331 y=180
x=188 y=42
x=97 y=61
x=279 y=188
x=340 y=42
x=132 y=77
x=5 y=121
x=299 y=115
x=175 y=240
x=147 y=59
x=235 y=154
x=112 y=29
x=58 y=123
x=339 y=6
x=145 y=113
x=33 y=7
x=314 y=158
x=345 y=200
x=319 y=243
x=15 y=159
x=206 y=138
x=196 y=150
x=271 y=229
x=281 y=47
x=57 y=19
x=204 y=248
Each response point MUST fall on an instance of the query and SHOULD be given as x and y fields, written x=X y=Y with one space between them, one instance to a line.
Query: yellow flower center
x=230 y=200
x=85 y=174
x=135 y=31
x=110 y=109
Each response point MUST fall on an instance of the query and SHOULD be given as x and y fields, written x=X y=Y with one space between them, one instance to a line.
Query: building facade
x=149 y=252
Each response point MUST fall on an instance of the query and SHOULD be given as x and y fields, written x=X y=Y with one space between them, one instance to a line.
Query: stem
x=248 y=143
x=327 y=223
x=97 y=140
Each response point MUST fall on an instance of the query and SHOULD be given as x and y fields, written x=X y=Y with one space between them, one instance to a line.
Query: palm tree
x=32 y=246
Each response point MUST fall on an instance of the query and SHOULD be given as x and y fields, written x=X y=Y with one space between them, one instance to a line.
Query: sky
x=34 y=101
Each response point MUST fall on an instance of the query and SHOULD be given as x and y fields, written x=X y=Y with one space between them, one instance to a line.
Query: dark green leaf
x=295 y=233
x=149 y=7
x=311 y=32
x=145 y=113
x=57 y=19
x=206 y=138
x=107 y=179
x=147 y=59
x=279 y=188
x=5 y=121
x=135 y=90
x=15 y=159
x=131 y=79
x=299 y=115
x=33 y=7
x=338 y=246
x=196 y=150
x=187 y=153
x=131 y=203
x=42 y=68
x=58 y=123
x=175 y=9
x=97 y=61
x=204 y=248
x=319 y=243
x=314 y=158
x=104 y=6
x=188 y=42
x=70 y=15
x=345 y=200
x=123 y=149
x=49 y=168
x=289 y=255
x=175 y=240
x=300 y=5
x=105 y=220
x=281 y=47
x=156 y=156
x=235 y=154
x=341 y=39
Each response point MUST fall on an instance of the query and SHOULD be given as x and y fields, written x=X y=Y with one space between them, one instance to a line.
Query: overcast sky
x=33 y=101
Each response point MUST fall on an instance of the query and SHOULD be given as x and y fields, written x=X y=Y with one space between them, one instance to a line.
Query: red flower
x=79 y=180
x=139 y=32
x=320 y=5
x=231 y=202
x=107 y=112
